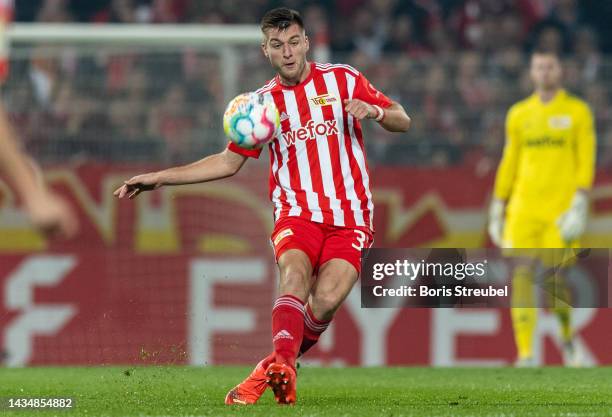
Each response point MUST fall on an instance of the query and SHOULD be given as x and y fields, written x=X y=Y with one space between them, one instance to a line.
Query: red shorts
x=321 y=242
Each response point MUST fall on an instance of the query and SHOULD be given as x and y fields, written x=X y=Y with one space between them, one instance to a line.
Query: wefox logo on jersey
x=311 y=131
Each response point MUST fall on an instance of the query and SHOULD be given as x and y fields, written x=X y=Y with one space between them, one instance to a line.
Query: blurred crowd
x=455 y=65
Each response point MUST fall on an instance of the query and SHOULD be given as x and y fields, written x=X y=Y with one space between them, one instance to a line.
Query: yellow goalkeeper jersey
x=549 y=153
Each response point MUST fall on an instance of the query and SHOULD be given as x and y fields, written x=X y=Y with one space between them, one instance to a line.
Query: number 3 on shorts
x=361 y=239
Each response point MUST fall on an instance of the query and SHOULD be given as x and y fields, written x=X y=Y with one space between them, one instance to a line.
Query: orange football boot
x=249 y=390
x=283 y=381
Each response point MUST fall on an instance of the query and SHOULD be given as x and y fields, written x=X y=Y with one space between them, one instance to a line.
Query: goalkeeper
x=541 y=193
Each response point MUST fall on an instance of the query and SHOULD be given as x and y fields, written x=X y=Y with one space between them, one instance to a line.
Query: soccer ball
x=251 y=120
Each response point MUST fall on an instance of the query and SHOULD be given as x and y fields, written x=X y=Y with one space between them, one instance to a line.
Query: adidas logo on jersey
x=283 y=117
x=311 y=131
x=283 y=334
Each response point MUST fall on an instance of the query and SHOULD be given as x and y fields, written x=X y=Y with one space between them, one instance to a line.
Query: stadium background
x=185 y=275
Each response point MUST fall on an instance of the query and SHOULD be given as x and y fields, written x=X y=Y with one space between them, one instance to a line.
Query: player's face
x=286 y=49
x=546 y=71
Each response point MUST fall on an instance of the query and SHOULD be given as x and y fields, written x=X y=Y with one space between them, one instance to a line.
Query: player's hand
x=138 y=184
x=496 y=222
x=51 y=215
x=572 y=222
x=360 y=109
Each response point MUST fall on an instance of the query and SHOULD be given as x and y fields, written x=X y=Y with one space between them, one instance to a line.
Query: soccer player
x=541 y=192
x=48 y=212
x=320 y=188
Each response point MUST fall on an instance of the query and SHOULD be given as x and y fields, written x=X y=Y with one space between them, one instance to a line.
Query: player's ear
x=264 y=49
x=307 y=42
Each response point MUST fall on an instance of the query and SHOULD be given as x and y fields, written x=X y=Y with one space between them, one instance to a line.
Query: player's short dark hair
x=281 y=18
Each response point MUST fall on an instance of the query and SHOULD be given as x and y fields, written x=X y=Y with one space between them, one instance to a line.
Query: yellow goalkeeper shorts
x=521 y=232
x=524 y=232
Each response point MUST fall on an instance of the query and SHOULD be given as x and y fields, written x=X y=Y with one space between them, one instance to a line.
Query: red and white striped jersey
x=318 y=168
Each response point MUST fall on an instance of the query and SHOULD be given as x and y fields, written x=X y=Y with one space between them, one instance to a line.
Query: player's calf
x=334 y=282
x=313 y=328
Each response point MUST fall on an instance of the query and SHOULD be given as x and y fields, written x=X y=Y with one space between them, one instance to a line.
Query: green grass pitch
x=188 y=391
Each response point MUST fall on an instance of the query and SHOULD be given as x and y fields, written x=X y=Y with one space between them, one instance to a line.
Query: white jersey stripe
x=284 y=175
x=327 y=173
x=284 y=178
x=285 y=182
x=301 y=155
x=357 y=152
x=277 y=189
x=345 y=165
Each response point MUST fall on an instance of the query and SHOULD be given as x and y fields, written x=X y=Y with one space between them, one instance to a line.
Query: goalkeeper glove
x=496 y=221
x=573 y=221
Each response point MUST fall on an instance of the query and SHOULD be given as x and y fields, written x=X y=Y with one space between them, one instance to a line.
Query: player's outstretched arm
x=393 y=118
x=47 y=211
x=213 y=167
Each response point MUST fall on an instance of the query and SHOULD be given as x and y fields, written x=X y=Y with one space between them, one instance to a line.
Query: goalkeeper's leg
x=523 y=312
x=556 y=292
x=571 y=354
x=564 y=314
x=523 y=232
x=558 y=295
x=558 y=300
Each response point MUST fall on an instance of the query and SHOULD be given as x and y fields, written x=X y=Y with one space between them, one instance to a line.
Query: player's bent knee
x=294 y=277
x=296 y=271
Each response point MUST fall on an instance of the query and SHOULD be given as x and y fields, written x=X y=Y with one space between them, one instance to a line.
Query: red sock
x=313 y=328
x=287 y=328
